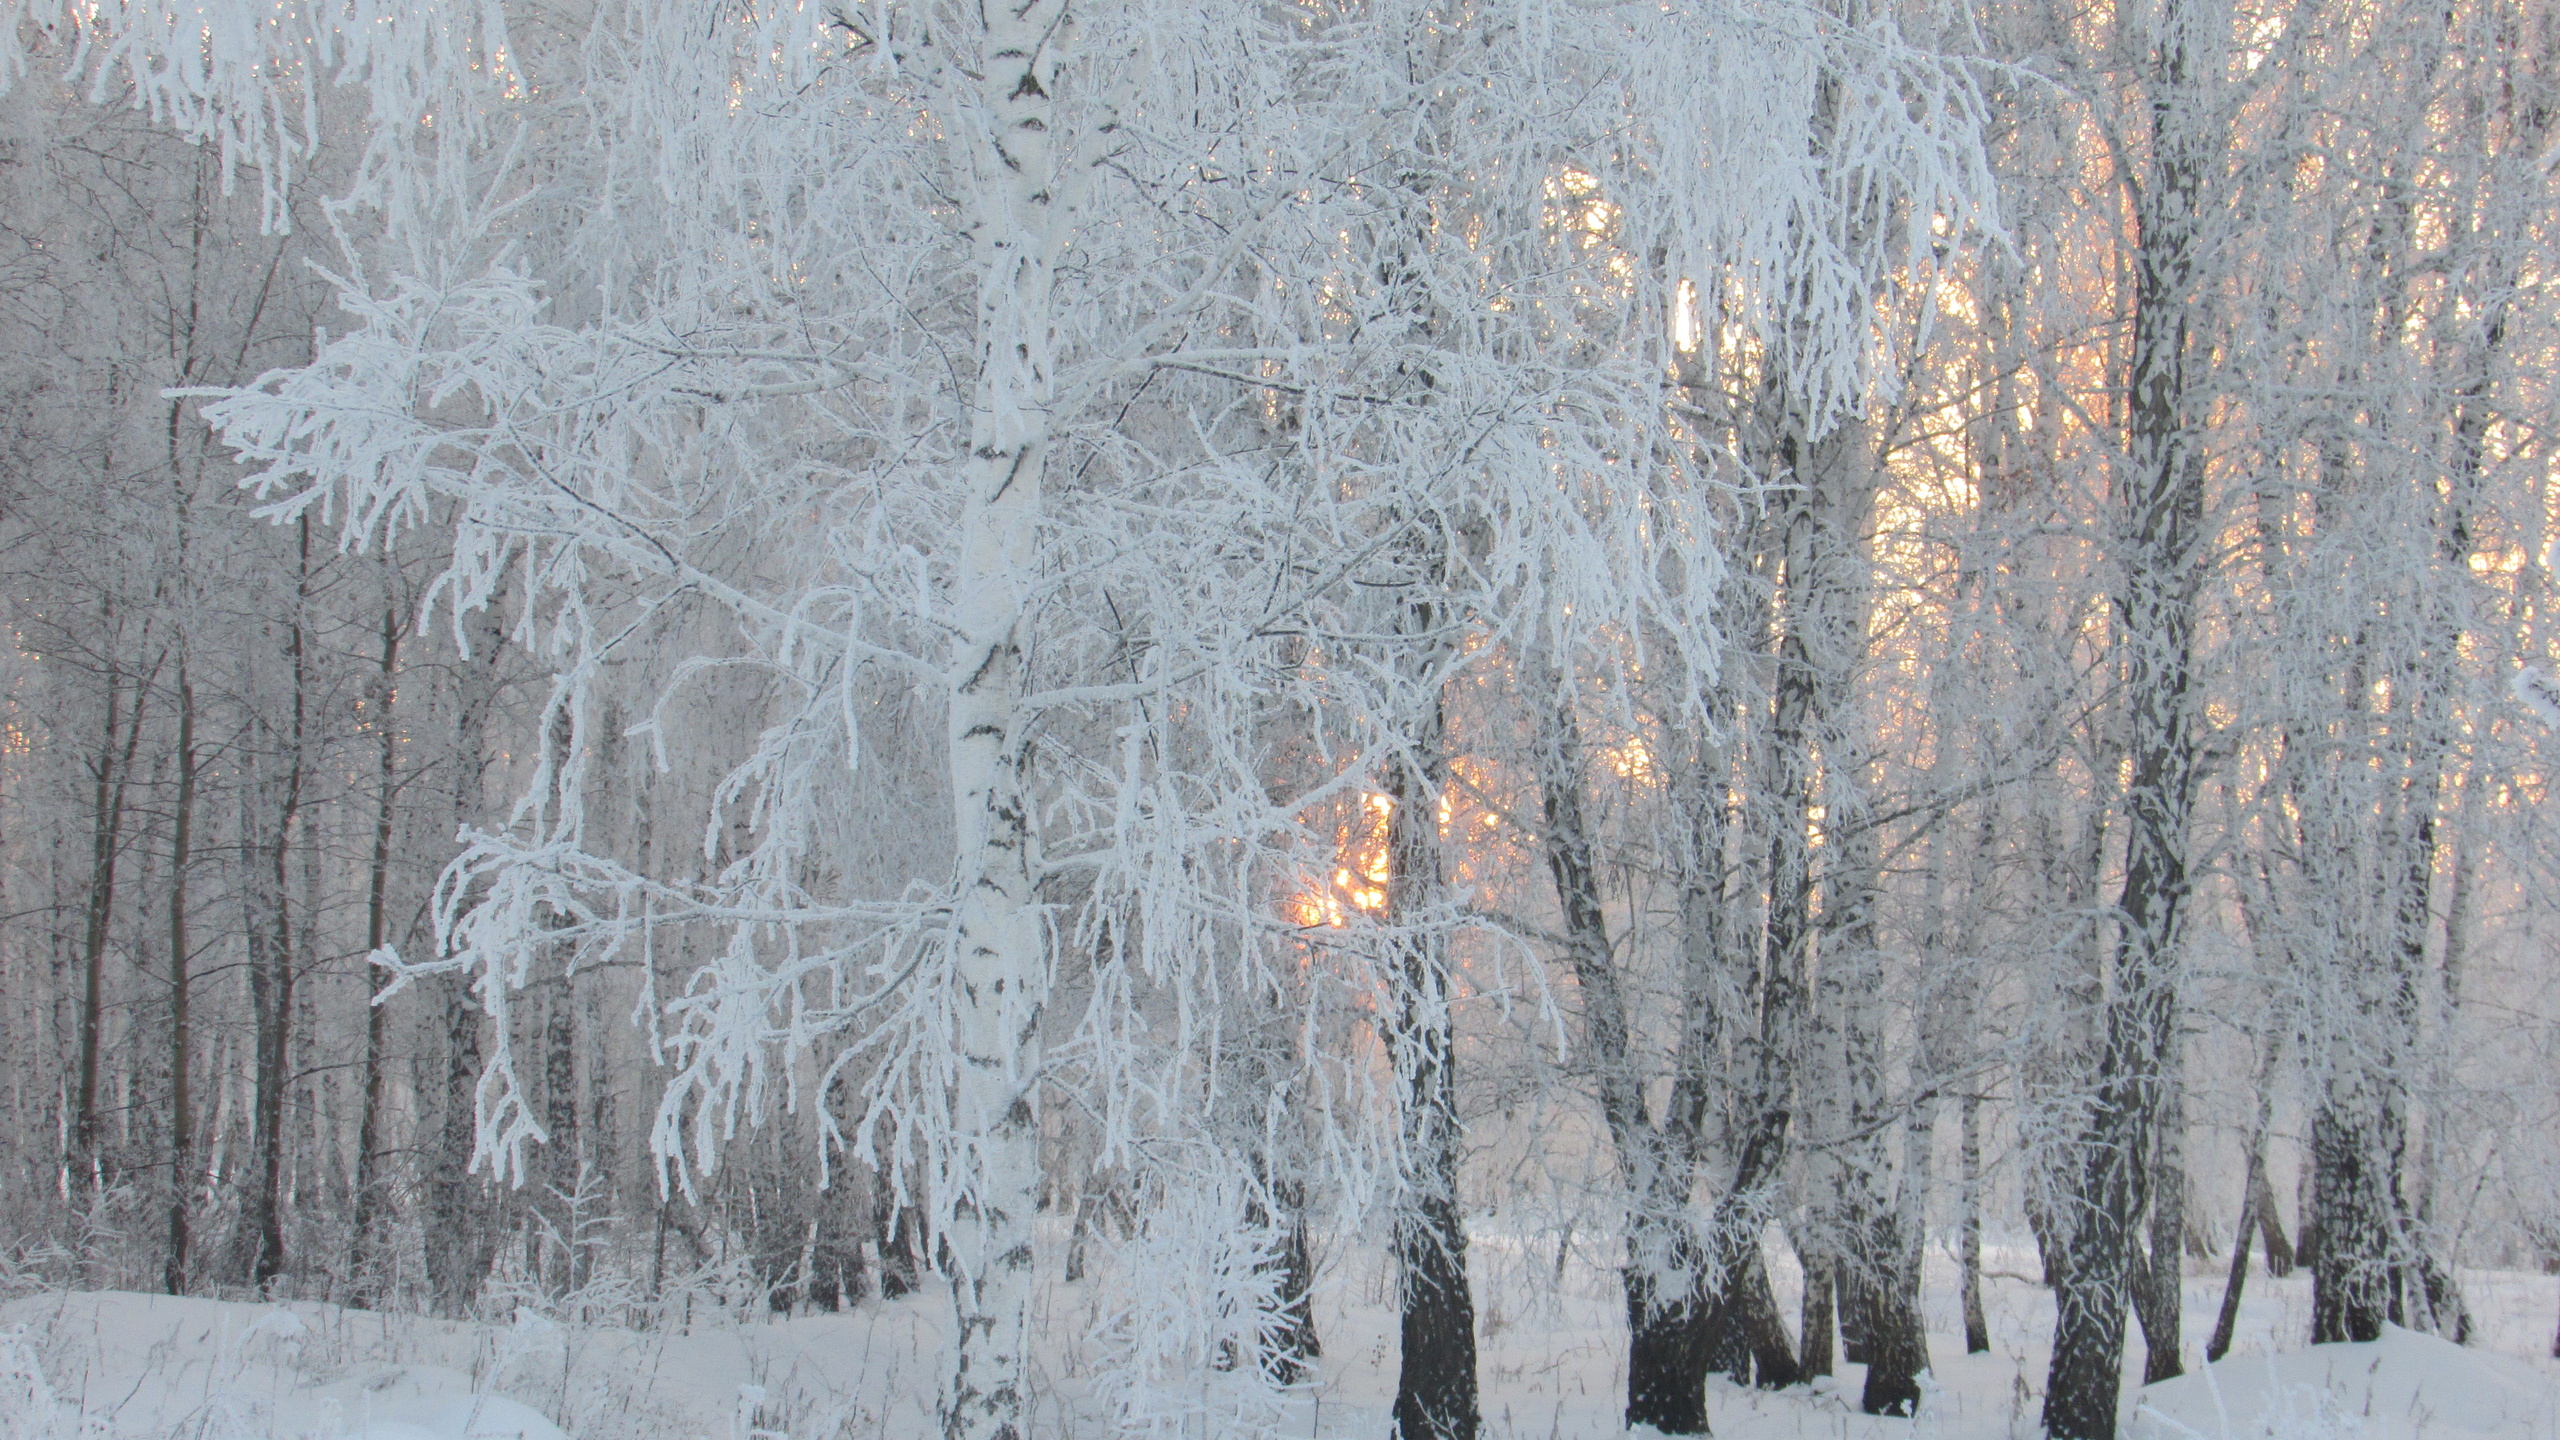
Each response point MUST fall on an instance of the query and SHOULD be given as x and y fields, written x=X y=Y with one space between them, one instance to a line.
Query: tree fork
x=1665 y=1311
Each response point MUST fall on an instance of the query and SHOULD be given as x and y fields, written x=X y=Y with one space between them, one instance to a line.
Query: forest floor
x=101 y=1364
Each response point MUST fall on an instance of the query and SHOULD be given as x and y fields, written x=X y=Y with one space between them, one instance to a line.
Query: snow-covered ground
x=124 y=1365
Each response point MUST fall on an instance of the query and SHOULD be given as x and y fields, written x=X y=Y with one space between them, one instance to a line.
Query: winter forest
x=1414 y=718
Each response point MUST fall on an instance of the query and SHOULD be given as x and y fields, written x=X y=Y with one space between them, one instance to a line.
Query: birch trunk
x=2158 y=1289
x=2162 y=525
x=1436 y=1371
x=1824 y=599
x=990 y=1161
x=272 y=967
x=1977 y=1330
x=108 y=776
x=2257 y=1202
x=368 y=1182
x=173 y=1275
x=1664 y=1256
x=457 y=1217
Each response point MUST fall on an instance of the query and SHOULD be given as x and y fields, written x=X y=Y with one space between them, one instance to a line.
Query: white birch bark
x=990 y=1162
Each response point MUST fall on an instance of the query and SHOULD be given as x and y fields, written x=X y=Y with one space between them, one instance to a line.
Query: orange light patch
x=1359 y=881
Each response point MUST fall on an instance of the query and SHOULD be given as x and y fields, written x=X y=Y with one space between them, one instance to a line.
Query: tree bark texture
x=2158 y=1291
x=109 y=773
x=1664 y=1261
x=459 y=1218
x=1977 y=1330
x=2257 y=1205
x=182 y=1173
x=1436 y=1372
x=987 y=1168
x=273 y=968
x=377 y=899
x=2161 y=527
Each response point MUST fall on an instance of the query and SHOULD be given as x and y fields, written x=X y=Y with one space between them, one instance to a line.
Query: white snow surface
x=2401 y=1387
x=120 y=1366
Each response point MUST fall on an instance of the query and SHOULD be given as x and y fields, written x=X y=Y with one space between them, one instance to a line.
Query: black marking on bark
x=1011 y=474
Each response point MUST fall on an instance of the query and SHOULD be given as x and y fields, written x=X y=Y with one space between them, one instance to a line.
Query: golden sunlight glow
x=1576 y=205
x=1359 y=881
x=1631 y=759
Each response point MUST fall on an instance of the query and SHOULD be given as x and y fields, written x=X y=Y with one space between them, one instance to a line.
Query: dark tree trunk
x=1882 y=1276
x=1977 y=1331
x=1746 y=1337
x=1897 y=1332
x=566 y=1175
x=2238 y=1278
x=2437 y=1299
x=2432 y=1298
x=1666 y=1318
x=2162 y=525
x=2257 y=1203
x=1773 y=1354
x=565 y=1154
x=1662 y=1364
x=459 y=1237
x=1823 y=575
x=182 y=1121
x=1898 y=1347
x=2159 y=1300
x=1856 y=1306
x=1436 y=1376
x=108 y=774
x=2052 y=1258
x=459 y=1219
x=377 y=899
x=2155 y=1287
x=1765 y=1109
x=1295 y=1345
x=1726 y=1341
x=1666 y=1327
x=2350 y=1270
x=2432 y=736
x=271 y=1003
x=272 y=967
